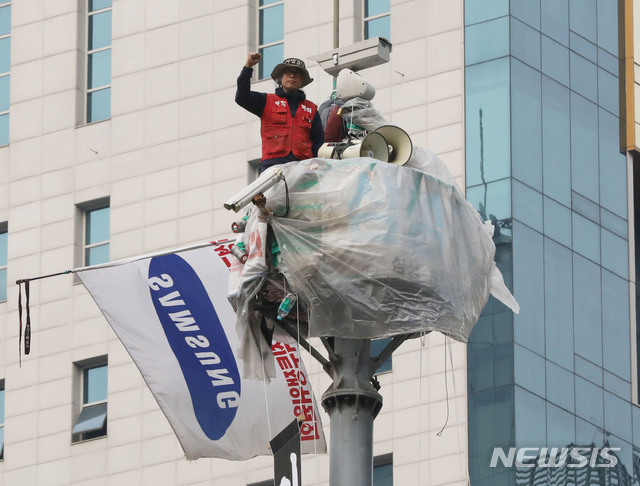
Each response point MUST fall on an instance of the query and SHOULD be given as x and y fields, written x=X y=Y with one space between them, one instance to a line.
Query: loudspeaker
x=351 y=85
x=373 y=145
x=399 y=143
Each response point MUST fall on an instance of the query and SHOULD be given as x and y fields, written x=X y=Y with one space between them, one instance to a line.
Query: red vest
x=281 y=133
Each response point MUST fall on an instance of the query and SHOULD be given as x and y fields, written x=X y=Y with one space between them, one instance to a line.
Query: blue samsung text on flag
x=198 y=340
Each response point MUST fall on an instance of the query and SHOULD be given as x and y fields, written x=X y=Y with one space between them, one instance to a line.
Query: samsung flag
x=171 y=313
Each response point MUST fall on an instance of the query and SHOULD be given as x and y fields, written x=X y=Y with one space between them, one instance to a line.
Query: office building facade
x=550 y=151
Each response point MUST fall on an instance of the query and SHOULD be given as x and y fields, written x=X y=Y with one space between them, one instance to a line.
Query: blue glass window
x=526 y=124
x=377 y=21
x=5 y=66
x=528 y=11
x=525 y=44
x=556 y=146
x=557 y=222
x=584 y=148
x=95 y=384
x=554 y=20
x=1 y=419
x=614 y=253
x=582 y=18
x=581 y=46
x=99 y=61
x=97 y=236
x=99 y=5
x=99 y=69
x=561 y=426
x=587 y=309
x=615 y=319
x=270 y=35
x=586 y=237
x=608 y=26
x=531 y=413
x=272 y=24
x=584 y=77
x=493 y=200
x=383 y=470
x=613 y=166
x=558 y=303
x=589 y=404
x=487 y=122
x=555 y=60
x=99 y=105
x=5 y=20
x=100 y=30
x=271 y=57
x=528 y=282
x=4 y=93
x=527 y=205
x=377 y=346
x=3 y=262
x=5 y=54
x=560 y=387
x=486 y=40
x=480 y=10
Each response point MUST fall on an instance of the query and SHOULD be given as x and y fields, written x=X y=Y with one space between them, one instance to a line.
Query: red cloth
x=282 y=133
x=333 y=129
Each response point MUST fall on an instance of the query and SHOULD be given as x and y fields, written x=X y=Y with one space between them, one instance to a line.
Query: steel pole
x=352 y=403
x=336 y=24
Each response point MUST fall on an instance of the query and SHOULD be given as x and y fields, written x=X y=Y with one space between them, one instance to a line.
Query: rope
x=266 y=397
x=422 y=346
x=463 y=464
x=446 y=388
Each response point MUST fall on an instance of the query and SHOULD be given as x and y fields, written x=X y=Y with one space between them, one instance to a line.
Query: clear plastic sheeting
x=375 y=249
x=360 y=114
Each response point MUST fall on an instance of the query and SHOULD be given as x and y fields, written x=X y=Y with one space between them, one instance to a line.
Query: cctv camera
x=267 y=179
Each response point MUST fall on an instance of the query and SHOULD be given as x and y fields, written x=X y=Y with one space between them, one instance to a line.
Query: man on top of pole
x=290 y=126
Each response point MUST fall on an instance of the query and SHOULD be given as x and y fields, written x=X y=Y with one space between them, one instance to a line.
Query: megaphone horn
x=351 y=85
x=374 y=145
x=399 y=142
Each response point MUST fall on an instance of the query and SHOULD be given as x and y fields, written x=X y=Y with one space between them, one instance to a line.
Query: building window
x=268 y=482
x=92 y=417
x=253 y=171
x=98 y=60
x=377 y=21
x=270 y=35
x=5 y=67
x=377 y=346
x=383 y=470
x=3 y=261
x=96 y=235
x=1 y=420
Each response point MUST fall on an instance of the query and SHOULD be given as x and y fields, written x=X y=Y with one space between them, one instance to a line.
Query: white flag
x=172 y=315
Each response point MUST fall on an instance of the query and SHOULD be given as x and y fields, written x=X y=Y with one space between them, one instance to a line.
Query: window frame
x=82 y=212
x=376 y=347
x=84 y=410
x=7 y=74
x=261 y=47
x=380 y=461
x=4 y=230
x=89 y=52
x=2 y=417
x=366 y=19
